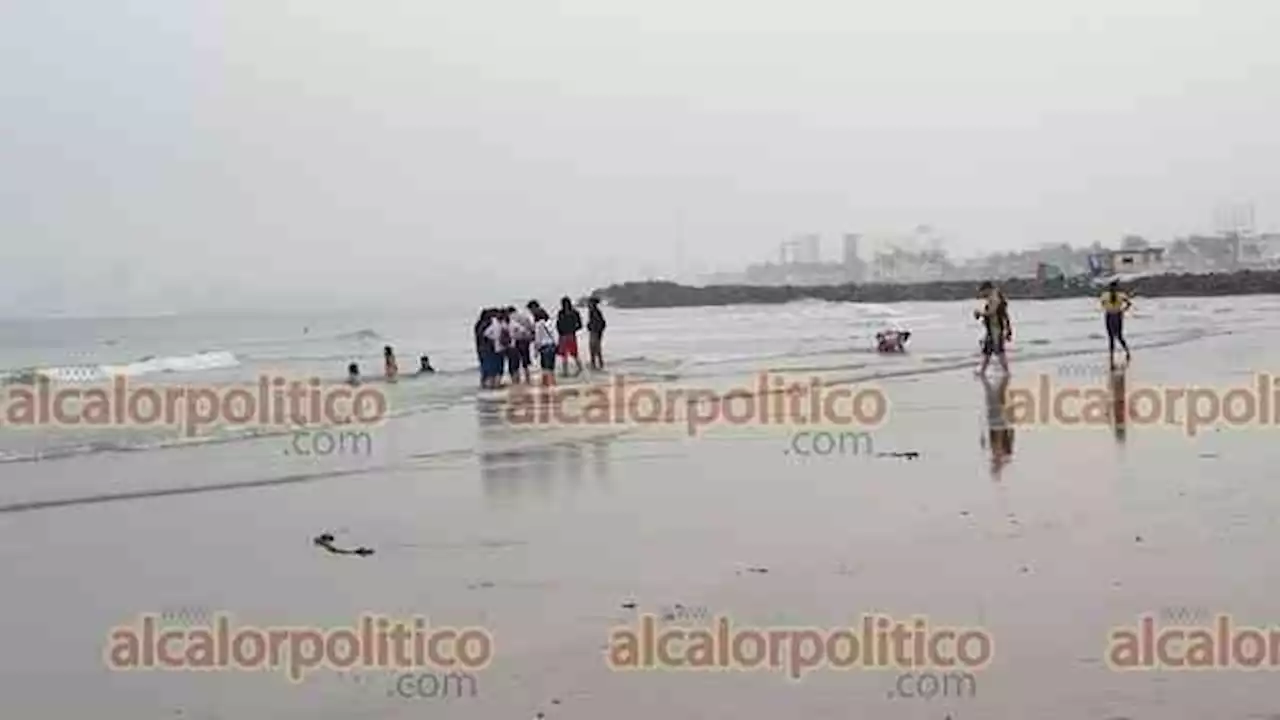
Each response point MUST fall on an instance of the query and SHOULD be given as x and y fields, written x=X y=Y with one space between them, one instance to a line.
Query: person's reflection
x=490 y=411
x=600 y=460
x=999 y=435
x=512 y=473
x=541 y=470
x=1119 y=412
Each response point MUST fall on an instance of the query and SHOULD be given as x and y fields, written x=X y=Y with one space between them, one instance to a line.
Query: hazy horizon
x=313 y=153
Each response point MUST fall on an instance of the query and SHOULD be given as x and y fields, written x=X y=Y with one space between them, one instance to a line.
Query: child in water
x=426 y=366
x=389 y=359
x=353 y=374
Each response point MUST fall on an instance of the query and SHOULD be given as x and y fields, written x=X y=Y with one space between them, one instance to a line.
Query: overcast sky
x=169 y=153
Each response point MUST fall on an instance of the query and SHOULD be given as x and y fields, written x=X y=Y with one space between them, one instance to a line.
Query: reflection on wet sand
x=1118 y=414
x=489 y=411
x=999 y=435
x=535 y=471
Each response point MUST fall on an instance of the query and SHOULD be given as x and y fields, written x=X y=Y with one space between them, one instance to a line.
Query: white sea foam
x=147 y=366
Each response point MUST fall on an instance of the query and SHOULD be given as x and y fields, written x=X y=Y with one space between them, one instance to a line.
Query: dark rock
x=654 y=294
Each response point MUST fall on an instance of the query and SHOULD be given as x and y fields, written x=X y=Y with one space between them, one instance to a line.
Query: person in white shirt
x=546 y=340
x=499 y=334
x=522 y=335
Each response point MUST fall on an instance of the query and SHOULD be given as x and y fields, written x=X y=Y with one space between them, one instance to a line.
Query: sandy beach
x=550 y=538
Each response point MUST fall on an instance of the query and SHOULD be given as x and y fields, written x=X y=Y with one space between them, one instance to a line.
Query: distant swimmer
x=353 y=374
x=389 y=360
x=425 y=367
x=892 y=340
x=1114 y=305
x=998 y=328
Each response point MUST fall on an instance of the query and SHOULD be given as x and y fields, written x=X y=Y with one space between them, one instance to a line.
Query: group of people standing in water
x=994 y=315
x=507 y=340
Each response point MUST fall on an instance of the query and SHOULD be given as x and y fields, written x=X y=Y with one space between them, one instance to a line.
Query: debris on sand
x=907 y=455
x=326 y=541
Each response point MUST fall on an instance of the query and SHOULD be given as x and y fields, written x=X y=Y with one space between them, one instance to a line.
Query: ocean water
x=704 y=347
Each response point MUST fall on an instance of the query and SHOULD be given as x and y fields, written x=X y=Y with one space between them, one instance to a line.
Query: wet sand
x=544 y=543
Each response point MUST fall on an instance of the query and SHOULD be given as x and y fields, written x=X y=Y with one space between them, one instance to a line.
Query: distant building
x=854 y=267
x=1258 y=251
x=1139 y=260
x=808 y=250
x=1045 y=271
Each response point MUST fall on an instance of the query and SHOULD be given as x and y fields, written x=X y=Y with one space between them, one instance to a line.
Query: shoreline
x=663 y=294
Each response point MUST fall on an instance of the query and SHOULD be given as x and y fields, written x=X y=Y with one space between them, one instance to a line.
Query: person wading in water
x=1114 y=305
x=994 y=315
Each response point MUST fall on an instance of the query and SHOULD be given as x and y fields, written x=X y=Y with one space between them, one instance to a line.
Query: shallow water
x=710 y=347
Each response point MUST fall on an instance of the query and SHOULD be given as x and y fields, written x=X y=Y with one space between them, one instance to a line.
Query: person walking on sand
x=389 y=361
x=595 y=333
x=998 y=328
x=1114 y=305
x=568 y=323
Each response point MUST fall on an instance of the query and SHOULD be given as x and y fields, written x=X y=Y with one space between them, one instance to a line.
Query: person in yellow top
x=1114 y=306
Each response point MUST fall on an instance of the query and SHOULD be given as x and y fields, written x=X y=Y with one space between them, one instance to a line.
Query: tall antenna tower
x=1235 y=219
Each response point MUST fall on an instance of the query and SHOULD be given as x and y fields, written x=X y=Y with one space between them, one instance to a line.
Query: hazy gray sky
x=159 y=151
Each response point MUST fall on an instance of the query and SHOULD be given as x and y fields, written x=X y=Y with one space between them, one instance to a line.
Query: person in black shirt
x=595 y=333
x=568 y=323
x=994 y=316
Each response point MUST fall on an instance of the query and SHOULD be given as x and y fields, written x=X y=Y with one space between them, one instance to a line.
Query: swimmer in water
x=999 y=328
x=1114 y=305
x=389 y=360
x=353 y=374
x=426 y=366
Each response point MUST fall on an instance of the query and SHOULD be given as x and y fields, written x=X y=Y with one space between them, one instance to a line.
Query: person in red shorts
x=568 y=323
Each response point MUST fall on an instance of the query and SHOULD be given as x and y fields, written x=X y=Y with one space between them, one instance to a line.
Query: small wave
x=362 y=335
x=205 y=360
x=208 y=360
